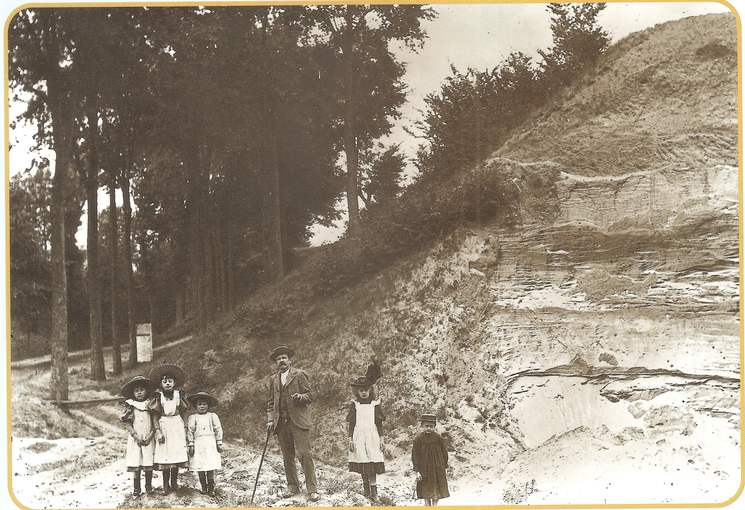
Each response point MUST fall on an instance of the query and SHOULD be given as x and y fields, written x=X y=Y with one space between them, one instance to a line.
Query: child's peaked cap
x=201 y=395
x=159 y=371
x=428 y=418
x=138 y=380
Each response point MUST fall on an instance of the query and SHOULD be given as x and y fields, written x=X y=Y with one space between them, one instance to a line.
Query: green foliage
x=380 y=182
x=30 y=271
x=578 y=42
x=474 y=113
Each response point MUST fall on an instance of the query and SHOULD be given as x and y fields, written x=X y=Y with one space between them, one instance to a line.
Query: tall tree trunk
x=195 y=204
x=128 y=274
x=98 y=369
x=208 y=235
x=272 y=207
x=350 y=140
x=63 y=121
x=114 y=247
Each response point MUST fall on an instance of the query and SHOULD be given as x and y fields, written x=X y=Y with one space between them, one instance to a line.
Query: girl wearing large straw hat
x=137 y=421
x=168 y=408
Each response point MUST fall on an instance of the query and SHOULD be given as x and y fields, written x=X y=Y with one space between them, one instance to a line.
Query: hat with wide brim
x=361 y=382
x=159 y=371
x=201 y=395
x=428 y=418
x=282 y=349
x=138 y=380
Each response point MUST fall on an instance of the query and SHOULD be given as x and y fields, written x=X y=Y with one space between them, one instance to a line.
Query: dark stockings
x=207 y=479
x=170 y=480
x=148 y=482
x=369 y=485
x=136 y=478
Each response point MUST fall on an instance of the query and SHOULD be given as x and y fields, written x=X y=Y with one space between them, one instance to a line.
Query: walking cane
x=268 y=433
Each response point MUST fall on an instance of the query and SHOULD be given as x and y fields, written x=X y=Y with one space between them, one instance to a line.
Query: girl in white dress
x=366 y=444
x=204 y=434
x=168 y=408
x=139 y=425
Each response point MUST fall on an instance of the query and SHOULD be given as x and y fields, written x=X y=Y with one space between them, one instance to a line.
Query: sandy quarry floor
x=680 y=447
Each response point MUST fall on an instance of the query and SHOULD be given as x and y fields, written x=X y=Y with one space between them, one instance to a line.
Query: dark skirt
x=367 y=468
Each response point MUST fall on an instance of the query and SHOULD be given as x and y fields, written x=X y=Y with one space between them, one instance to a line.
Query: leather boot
x=365 y=487
x=174 y=479
x=137 y=490
x=148 y=481
x=373 y=492
x=210 y=483
x=166 y=481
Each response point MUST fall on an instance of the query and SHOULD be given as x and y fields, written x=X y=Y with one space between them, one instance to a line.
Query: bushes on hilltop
x=475 y=112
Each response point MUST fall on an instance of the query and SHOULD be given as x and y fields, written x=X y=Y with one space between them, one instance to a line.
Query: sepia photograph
x=327 y=254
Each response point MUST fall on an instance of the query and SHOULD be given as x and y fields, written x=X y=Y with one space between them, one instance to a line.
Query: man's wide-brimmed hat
x=138 y=380
x=428 y=418
x=202 y=395
x=159 y=371
x=282 y=349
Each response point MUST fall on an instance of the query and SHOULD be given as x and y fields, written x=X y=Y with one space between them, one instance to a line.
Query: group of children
x=162 y=437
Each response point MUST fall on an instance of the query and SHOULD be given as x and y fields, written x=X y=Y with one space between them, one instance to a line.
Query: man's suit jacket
x=297 y=382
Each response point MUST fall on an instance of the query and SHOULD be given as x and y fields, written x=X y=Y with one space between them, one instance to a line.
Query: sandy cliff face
x=612 y=330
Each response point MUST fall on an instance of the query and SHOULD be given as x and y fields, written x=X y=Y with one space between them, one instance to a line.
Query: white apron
x=173 y=450
x=365 y=436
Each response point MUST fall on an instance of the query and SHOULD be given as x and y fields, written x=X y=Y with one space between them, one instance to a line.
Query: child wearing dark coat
x=168 y=408
x=365 y=420
x=430 y=459
x=137 y=422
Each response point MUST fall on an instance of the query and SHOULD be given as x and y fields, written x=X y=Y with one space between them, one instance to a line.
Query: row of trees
x=225 y=126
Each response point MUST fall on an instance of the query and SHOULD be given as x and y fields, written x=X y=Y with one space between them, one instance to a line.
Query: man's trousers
x=294 y=441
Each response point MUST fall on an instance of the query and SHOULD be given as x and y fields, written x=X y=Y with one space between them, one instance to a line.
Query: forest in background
x=230 y=131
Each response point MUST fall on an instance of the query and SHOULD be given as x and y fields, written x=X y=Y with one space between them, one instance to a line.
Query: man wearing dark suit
x=289 y=418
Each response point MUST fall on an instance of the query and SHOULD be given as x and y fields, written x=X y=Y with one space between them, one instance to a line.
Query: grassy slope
x=662 y=97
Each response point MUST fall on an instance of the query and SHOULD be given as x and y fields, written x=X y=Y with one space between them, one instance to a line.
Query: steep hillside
x=582 y=354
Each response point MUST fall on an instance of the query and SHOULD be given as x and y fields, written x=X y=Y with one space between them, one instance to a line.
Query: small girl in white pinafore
x=137 y=421
x=365 y=419
x=168 y=408
x=204 y=434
